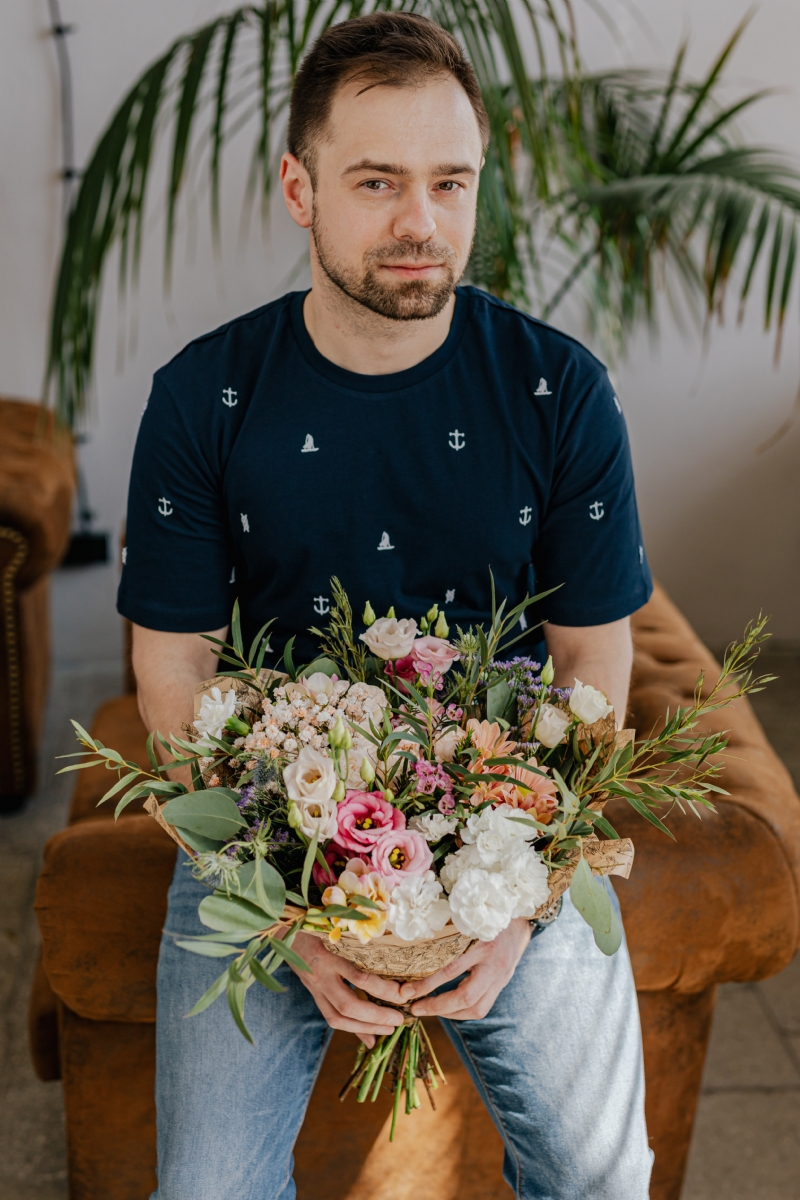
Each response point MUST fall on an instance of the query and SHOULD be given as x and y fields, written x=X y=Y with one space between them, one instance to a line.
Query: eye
x=449 y=185
x=375 y=185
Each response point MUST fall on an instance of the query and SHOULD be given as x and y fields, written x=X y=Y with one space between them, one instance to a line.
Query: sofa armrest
x=101 y=901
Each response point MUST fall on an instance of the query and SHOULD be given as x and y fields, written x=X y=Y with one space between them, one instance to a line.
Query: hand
x=337 y=1002
x=490 y=966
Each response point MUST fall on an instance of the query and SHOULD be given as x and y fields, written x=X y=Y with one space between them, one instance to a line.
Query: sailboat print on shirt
x=542 y=389
x=308 y=445
x=385 y=544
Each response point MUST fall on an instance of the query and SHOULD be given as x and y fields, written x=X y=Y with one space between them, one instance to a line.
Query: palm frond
x=661 y=183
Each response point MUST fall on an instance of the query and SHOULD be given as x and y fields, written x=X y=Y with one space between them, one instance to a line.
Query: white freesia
x=491 y=831
x=214 y=712
x=526 y=878
x=588 y=703
x=310 y=777
x=318 y=688
x=317 y=815
x=390 y=637
x=481 y=904
x=433 y=825
x=417 y=908
x=551 y=726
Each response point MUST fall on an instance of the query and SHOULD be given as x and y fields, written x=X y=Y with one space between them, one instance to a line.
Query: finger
x=336 y=1020
x=346 y=1002
x=465 y=996
x=423 y=987
x=384 y=989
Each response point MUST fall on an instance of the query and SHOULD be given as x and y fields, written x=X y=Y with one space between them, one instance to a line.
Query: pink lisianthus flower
x=363 y=817
x=434 y=653
x=336 y=857
x=401 y=852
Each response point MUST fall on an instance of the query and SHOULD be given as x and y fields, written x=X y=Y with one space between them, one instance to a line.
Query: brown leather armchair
x=36 y=485
x=720 y=905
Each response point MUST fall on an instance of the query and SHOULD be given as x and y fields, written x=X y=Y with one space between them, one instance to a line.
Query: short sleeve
x=178 y=559
x=590 y=540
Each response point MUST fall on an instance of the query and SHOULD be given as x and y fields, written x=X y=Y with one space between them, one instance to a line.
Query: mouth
x=415 y=271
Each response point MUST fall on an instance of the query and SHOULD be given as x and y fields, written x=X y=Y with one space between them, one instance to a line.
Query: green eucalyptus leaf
x=610 y=942
x=197 y=841
x=273 y=888
x=590 y=898
x=231 y=913
x=209 y=949
x=499 y=699
x=323 y=665
x=212 y=813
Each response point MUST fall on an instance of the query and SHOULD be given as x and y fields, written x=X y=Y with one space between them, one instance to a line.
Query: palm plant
x=623 y=172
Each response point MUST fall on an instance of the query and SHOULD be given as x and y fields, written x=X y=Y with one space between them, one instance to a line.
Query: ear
x=297 y=190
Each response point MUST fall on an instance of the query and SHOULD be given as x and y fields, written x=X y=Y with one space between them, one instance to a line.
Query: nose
x=413 y=220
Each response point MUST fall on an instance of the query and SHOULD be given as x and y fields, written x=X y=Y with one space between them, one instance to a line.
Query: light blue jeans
x=557 y=1062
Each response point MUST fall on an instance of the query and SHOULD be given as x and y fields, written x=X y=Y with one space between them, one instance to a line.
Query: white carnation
x=481 y=904
x=214 y=712
x=491 y=830
x=460 y=860
x=417 y=908
x=525 y=876
x=588 y=703
x=433 y=825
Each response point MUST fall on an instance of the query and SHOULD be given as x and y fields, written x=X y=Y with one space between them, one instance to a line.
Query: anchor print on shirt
x=597 y=511
x=385 y=544
x=543 y=389
x=230 y=398
x=308 y=446
x=245 y=522
x=456 y=439
x=322 y=605
x=165 y=506
x=450 y=595
x=525 y=515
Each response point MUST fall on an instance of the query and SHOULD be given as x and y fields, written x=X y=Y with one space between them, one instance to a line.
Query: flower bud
x=339 y=791
x=424 y=626
x=548 y=672
x=368 y=616
x=295 y=817
x=388 y=796
x=391 y=613
x=367 y=771
x=442 y=628
x=340 y=736
x=433 y=612
x=238 y=726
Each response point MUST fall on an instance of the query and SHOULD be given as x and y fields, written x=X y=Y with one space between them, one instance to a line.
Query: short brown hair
x=391 y=48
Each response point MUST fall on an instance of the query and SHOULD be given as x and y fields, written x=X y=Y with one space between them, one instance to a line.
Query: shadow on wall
x=737 y=545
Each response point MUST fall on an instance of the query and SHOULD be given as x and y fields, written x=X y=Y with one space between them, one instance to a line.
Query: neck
x=353 y=337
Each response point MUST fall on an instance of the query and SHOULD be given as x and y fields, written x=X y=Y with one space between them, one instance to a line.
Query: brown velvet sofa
x=720 y=905
x=36 y=485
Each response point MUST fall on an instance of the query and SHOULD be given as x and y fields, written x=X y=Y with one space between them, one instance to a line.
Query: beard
x=402 y=300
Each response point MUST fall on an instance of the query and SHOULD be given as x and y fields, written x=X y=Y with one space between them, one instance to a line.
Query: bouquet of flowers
x=405 y=794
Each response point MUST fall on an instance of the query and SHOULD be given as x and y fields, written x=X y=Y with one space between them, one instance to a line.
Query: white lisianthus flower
x=551 y=726
x=526 y=878
x=588 y=703
x=214 y=712
x=433 y=825
x=390 y=638
x=317 y=815
x=310 y=777
x=491 y=831
x=417 y=908
x=318 y=688
x=355 y=757
x=481 y=904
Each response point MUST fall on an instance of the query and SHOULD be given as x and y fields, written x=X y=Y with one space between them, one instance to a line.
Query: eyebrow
x=367 y=164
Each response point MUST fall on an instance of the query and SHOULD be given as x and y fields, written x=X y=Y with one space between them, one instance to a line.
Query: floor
x=747 y=1136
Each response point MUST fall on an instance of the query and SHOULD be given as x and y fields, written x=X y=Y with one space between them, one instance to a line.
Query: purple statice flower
x=245 y=796
x=280 y=836
x=446 y=805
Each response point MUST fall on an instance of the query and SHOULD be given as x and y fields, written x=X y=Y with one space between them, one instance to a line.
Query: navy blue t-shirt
x=262 y=469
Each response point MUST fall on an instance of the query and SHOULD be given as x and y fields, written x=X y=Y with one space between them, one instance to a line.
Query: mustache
x=410 y=252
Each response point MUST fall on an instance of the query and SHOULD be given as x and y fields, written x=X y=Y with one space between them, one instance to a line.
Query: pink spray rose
x=362 y=818
x=433 y=654
x=401 y=852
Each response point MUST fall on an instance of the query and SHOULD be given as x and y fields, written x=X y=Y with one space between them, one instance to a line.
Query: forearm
x=168 y=669
x=600 y=655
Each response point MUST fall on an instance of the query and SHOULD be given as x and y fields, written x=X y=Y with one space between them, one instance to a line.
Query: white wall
x=722 y=523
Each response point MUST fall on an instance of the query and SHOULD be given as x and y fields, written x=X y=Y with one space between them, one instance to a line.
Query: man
x=406 y=435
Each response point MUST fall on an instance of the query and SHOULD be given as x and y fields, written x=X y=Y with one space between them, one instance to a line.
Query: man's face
x=395 y=196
